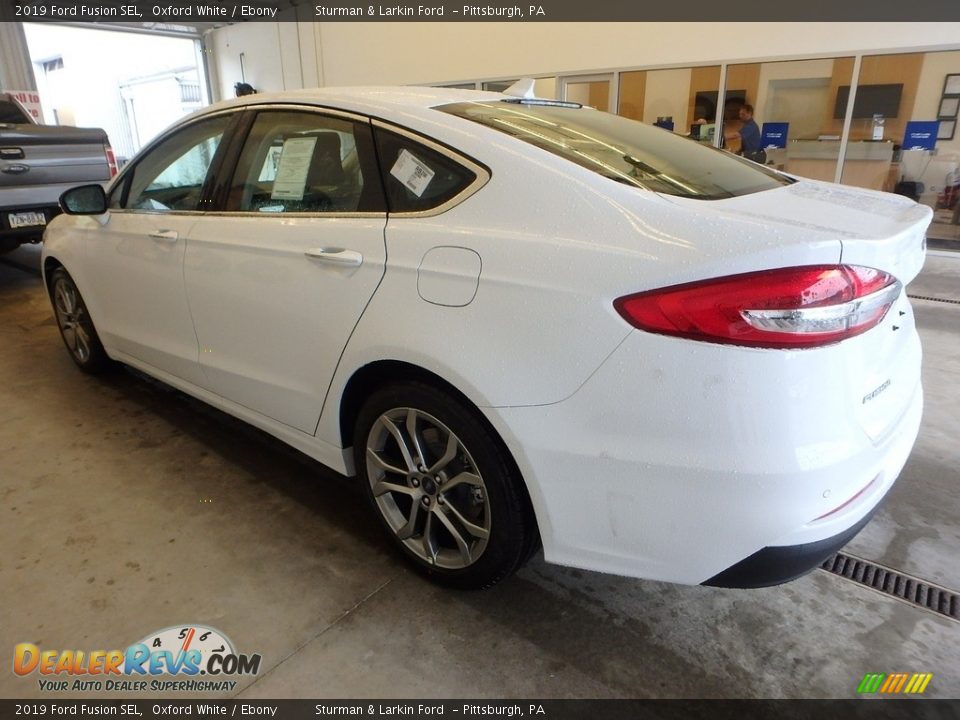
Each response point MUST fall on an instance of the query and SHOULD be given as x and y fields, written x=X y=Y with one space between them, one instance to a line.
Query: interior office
x=790 y=72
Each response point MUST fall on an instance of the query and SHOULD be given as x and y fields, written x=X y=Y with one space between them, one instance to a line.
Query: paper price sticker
x=412 y=172
x=292 y=169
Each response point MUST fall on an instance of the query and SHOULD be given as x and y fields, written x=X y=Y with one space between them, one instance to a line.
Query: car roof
x=371 y=100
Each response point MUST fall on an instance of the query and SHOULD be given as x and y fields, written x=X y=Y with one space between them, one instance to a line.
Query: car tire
x=76 y=325
x=443 y=486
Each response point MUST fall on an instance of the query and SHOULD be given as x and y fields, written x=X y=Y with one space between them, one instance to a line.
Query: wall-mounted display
x=870 y=100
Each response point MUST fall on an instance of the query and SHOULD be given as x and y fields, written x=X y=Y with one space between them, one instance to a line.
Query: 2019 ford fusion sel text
x=518 y=322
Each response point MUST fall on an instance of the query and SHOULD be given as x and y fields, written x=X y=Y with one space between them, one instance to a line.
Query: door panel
x=139 y=281
x=271 y=320
x=136 y=260
x=278 y=281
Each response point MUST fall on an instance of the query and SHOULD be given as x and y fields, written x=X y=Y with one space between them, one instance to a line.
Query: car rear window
x=624 y=150
x=416 y=178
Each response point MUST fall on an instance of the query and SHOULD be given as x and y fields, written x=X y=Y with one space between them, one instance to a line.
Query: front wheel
x=76 y=326
x=443 y=487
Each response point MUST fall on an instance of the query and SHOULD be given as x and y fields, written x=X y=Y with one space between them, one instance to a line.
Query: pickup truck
x=37 y=164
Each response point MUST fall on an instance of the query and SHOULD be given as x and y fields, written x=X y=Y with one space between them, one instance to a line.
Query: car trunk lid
x=880 y=371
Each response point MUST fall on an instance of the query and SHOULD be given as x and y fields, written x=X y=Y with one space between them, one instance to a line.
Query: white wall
x=262 y=48
x=403 y=53
x=930 y=87
x=276 y=56
x=407 y=53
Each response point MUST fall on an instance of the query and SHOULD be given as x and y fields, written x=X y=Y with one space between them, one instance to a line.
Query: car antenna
x=522 y=88
x=522 y=93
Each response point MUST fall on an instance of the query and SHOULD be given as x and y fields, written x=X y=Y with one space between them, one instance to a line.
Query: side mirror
x=84 y=200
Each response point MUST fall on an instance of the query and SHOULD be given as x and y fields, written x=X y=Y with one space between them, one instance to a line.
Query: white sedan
x=518 y=322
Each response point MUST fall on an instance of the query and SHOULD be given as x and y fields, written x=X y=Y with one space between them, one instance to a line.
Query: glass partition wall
x=882 y=121
x=593 y=90
x=682 y=100
x=905 y=106
x=542 y=87
x=795 y=104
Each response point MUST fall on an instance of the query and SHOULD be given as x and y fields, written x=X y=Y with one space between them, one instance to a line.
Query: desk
x=867 y=163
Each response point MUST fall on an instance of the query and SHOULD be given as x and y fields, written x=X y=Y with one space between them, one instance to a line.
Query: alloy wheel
x=72 y=318
x=428 y=488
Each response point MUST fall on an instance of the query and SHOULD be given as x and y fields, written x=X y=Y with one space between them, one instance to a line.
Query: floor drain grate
x=890 y=582
x=934 y=299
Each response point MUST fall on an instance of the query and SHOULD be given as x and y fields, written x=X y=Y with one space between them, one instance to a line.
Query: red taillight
x=785 y=308
x=111 y=159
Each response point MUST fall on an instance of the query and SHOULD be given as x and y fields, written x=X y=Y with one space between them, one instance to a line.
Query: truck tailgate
x=40 y=155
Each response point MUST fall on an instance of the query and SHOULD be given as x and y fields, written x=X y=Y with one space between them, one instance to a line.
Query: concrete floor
x=128 y=507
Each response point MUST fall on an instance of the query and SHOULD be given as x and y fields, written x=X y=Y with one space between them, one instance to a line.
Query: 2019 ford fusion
x=517 y=321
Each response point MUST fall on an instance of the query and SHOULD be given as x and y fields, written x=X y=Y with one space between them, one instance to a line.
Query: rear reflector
x=840 y=507
x=797 y=307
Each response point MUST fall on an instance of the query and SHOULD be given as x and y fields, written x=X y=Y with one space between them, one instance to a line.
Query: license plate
x=26 y=219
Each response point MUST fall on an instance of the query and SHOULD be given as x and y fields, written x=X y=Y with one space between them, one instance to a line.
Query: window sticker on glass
x=292 y=169
x=412 y=172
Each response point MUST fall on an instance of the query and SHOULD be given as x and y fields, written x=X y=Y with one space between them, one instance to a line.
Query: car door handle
x=336 y=256
x=170 y=236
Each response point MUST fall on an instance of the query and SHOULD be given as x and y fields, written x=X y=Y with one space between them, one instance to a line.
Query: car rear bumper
x=775 y=565
x=679 y=460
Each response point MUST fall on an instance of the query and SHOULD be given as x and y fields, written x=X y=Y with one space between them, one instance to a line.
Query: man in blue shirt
x=749 y=133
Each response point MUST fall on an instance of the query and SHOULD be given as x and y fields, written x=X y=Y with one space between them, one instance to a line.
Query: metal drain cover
x=934 y=299
x=890 y=582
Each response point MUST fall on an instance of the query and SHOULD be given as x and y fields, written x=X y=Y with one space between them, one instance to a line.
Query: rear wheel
x=442 y=486
x=76 y=326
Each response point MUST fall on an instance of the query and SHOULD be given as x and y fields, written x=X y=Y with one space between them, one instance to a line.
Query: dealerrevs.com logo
x=179 y=658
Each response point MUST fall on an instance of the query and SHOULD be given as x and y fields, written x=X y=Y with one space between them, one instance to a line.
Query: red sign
x=30 y=100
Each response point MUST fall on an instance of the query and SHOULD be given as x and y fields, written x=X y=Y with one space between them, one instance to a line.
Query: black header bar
x=183 y=12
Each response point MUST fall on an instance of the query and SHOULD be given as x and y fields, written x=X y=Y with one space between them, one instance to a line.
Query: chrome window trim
x=293 y=215
x=482 y=174
x=318 y=109
x=158 y=213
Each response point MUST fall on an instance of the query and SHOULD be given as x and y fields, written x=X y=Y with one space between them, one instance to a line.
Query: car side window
x=170 y=177
x=300 y=161
x=416 y=177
